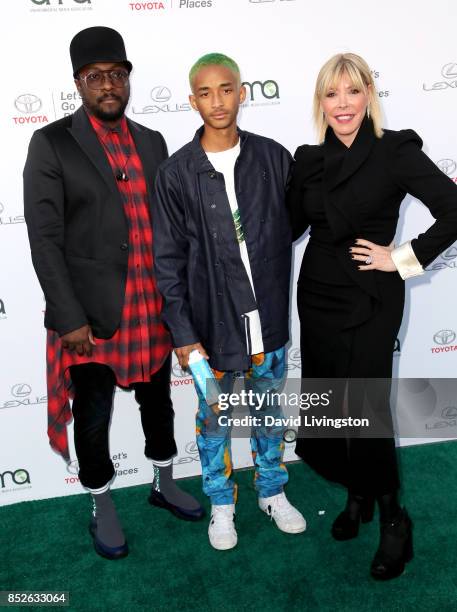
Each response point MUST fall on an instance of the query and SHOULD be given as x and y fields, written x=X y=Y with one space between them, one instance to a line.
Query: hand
x=80 y=340
x=381 y=258
x=183 y=352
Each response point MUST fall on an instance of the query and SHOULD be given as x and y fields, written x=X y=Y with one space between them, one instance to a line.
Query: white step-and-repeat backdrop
x=280 y=46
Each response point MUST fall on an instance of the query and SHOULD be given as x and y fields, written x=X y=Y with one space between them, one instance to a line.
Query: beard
x=113 y=114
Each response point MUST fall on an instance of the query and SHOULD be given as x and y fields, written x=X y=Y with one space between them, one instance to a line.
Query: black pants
x=94 y=385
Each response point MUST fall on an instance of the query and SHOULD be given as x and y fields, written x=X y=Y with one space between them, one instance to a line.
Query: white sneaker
x=287 y=518
x=221 y=530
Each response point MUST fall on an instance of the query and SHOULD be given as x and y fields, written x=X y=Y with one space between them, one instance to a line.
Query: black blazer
x=76 y=223
x=362 y=189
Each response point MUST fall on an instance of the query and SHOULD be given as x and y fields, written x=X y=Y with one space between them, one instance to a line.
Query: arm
x=414 y=172
x=171 y=257
x=44 y=207
x=294 y=195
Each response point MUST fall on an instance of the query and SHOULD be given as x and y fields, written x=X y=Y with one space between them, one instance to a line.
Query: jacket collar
x=340 y=161
x=201 y=159
x=83 y=132
x=85 y=135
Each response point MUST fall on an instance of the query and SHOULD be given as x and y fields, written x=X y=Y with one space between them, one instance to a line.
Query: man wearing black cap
x=88 y=182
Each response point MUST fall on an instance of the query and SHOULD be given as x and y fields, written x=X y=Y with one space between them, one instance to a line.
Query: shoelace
x=281 y=506
x=221 y=518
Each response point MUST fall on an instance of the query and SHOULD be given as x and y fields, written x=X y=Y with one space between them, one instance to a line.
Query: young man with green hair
x=222 y=246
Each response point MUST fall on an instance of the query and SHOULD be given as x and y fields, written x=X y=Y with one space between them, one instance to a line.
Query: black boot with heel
x=358 y=509
x=396 y=541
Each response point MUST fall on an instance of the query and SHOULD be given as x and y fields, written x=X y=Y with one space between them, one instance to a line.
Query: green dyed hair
x=214 y=59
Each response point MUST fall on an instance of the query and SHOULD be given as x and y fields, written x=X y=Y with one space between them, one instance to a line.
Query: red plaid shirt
x=141 y=343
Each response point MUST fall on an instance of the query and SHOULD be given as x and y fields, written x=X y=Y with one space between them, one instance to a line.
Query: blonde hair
x=360 y=75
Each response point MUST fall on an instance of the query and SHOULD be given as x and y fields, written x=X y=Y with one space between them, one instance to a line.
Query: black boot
x=358 y=508
x=395 y=547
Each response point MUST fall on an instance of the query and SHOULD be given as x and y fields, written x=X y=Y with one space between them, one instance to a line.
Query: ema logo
x=29 y=104
x=444 y=338
x=61 y=5
x=59 y=2
x=261 y=93
x=449 y=72
x=19 y=478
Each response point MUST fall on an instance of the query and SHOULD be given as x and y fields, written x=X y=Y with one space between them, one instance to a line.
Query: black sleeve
x=295 y=195
x=44 y=207
x=171 y=256
x=416 y=174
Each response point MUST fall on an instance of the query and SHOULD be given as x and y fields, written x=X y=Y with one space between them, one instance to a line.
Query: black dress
x=349 y=320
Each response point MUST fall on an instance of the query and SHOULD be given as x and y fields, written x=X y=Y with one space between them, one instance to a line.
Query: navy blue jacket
x=198 y=264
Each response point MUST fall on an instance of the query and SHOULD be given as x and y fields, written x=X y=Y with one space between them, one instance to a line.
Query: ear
x=78 y=85
x=193 y=102
x=242 y=94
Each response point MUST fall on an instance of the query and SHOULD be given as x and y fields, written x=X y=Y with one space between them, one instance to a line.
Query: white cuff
x=165 y=463
x=406 y=261
x=101 y=490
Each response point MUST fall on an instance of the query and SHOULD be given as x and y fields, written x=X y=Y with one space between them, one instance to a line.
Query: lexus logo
x=448 y=166
x=451 y=253
x=191 y=448
x=449 y=71
x=444 y=336
x=160 y=94
x=450 y=412
x=21 y=390
x=28 y=103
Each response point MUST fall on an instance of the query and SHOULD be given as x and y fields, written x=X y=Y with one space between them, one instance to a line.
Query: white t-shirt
x=224 y=162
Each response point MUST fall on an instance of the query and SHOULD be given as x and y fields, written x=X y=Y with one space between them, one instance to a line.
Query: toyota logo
x=191 y=448
x=21 y=390
x=449 y=71
x=444 y=336
x=27 y=103
x=160 y=94
x=73 y=467
x=178 y=372
x=448 y=166
x=450 y=412
x=290 y=435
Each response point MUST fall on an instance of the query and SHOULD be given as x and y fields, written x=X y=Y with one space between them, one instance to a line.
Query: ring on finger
x=369 y=260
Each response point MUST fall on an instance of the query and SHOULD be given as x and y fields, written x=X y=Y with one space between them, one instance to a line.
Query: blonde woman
x=349 y=189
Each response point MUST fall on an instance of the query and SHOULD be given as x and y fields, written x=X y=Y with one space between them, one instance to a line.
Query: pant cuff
x=103 y=489
x=165 y=463
x=271 y=492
